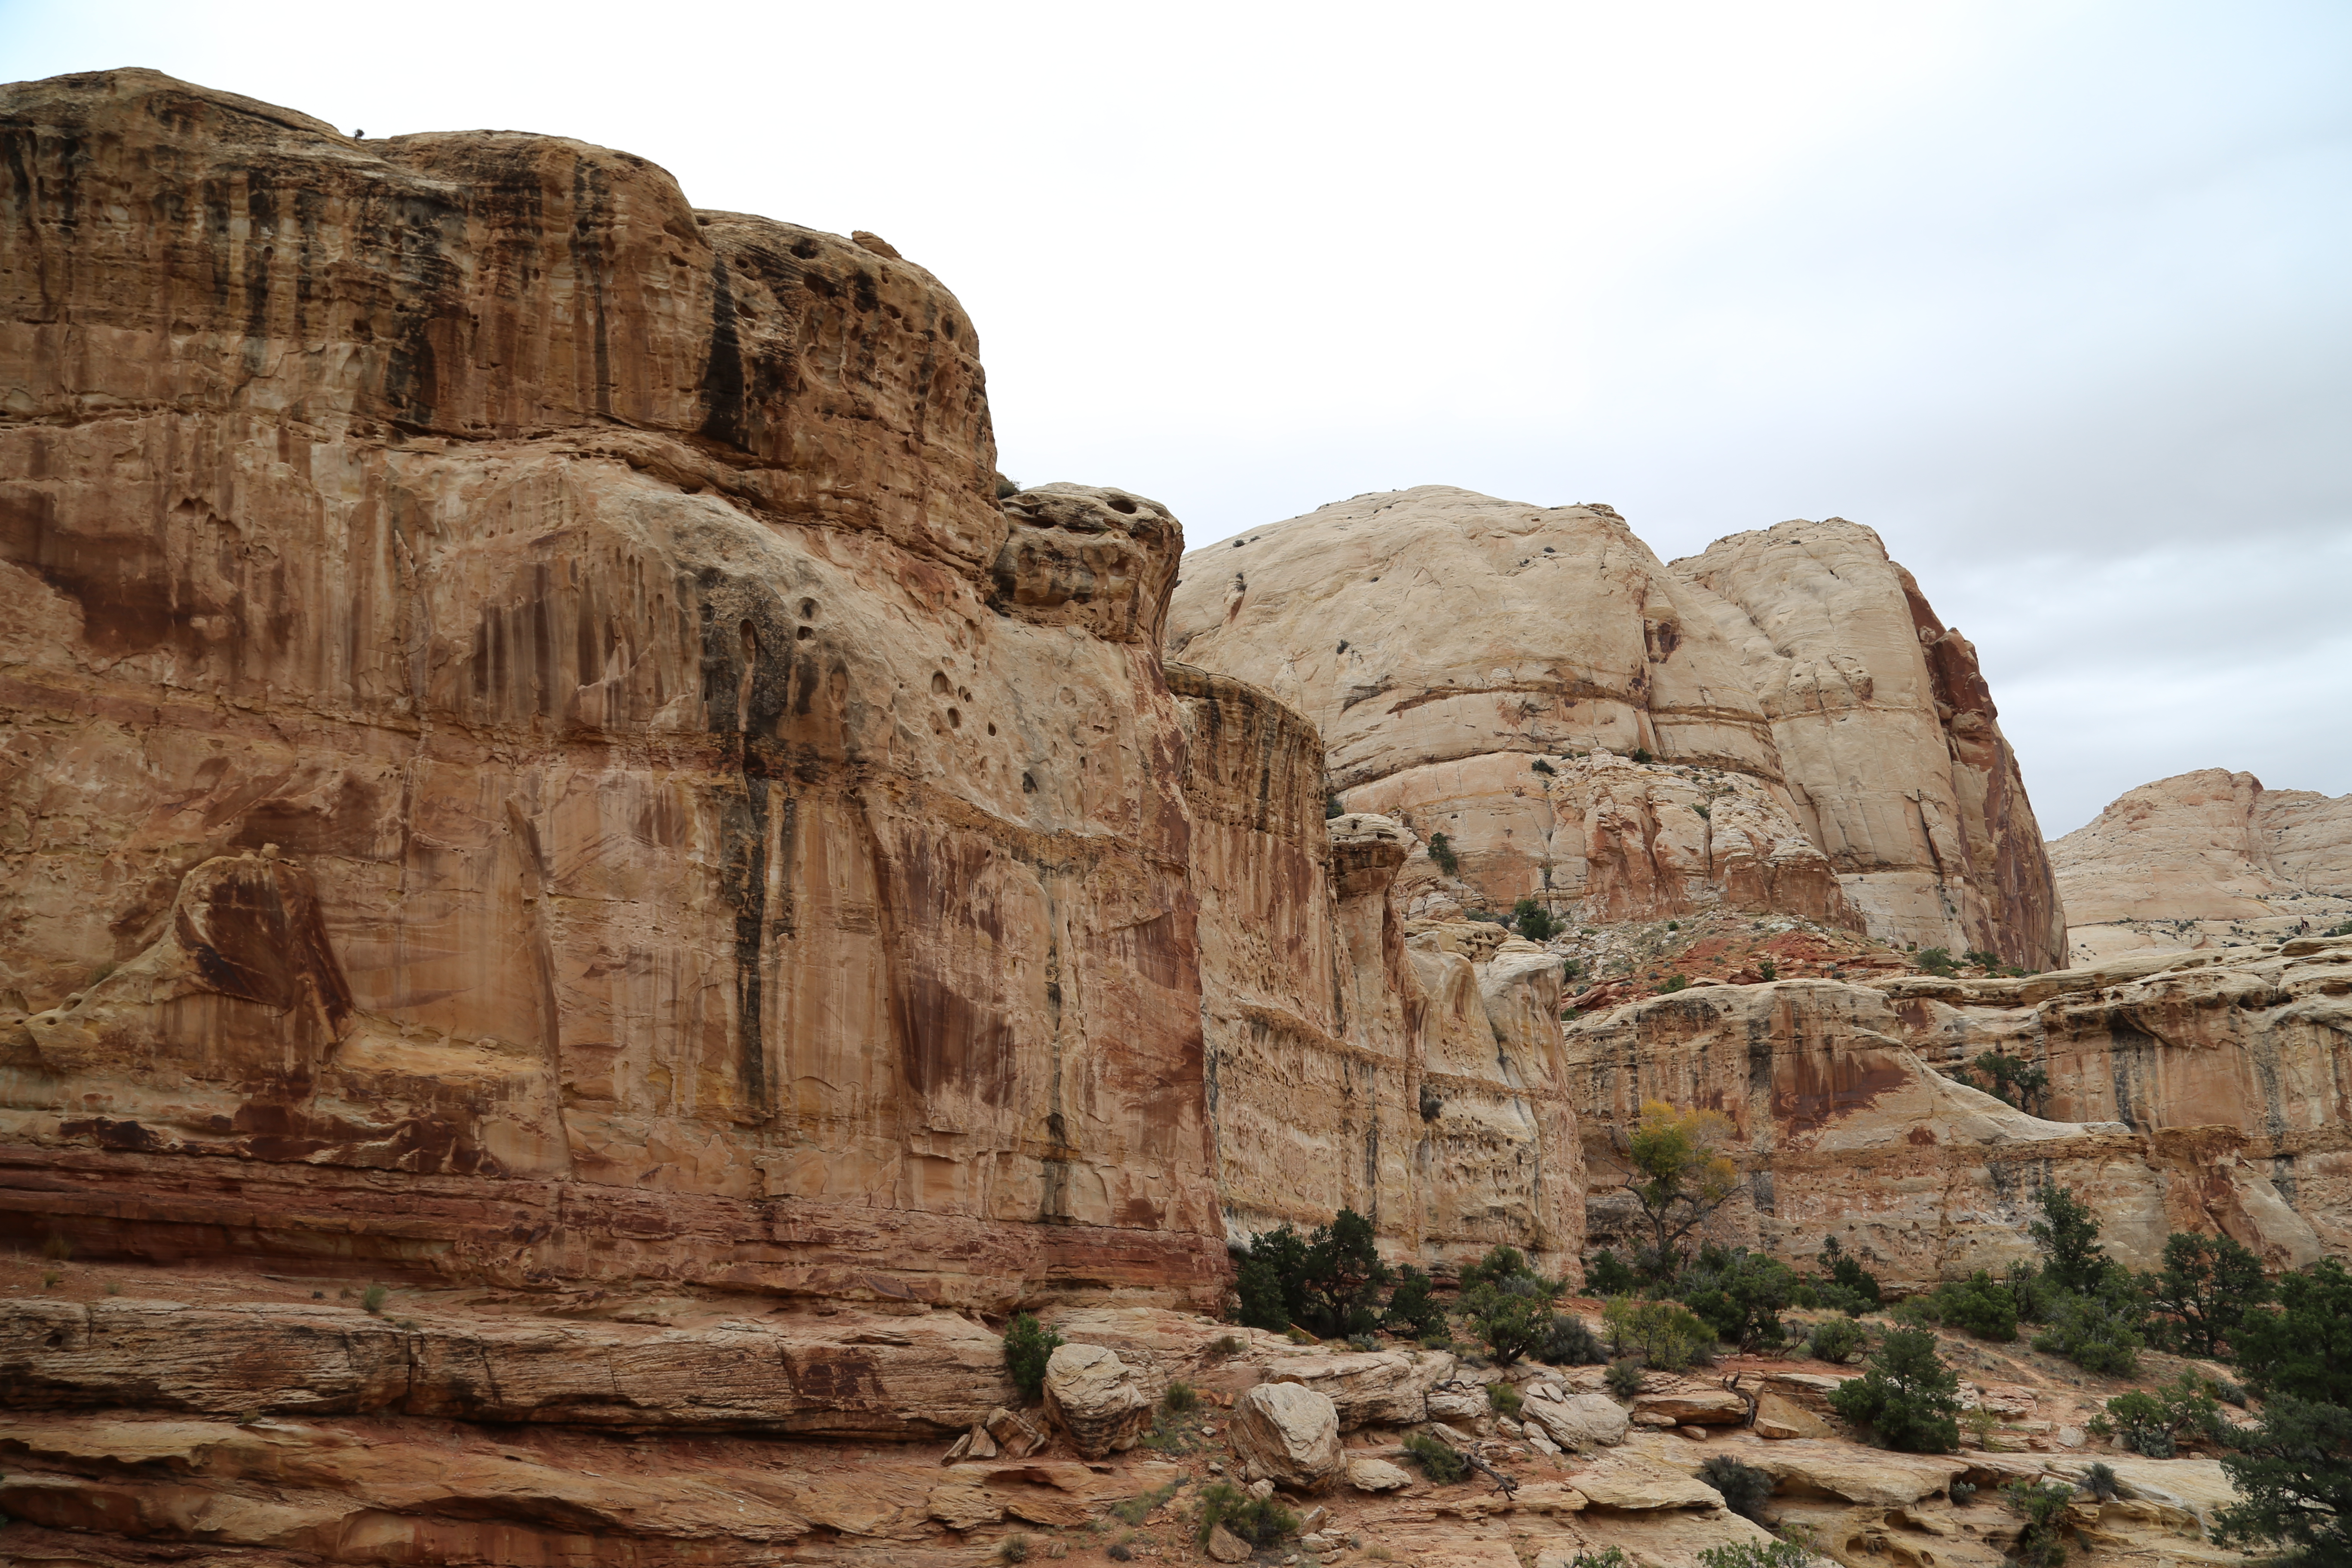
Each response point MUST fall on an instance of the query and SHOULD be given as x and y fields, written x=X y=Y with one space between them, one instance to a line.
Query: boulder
x=1014 y=1431
x=1287 y=1434
x=1783 y=1419
x=1096 y=1398
x=1635 y=1483
x=1578 y=1419
x=1693 y=1405
x=1376 y=1476
x=1457 y=1401
x=1370 y=1388
x=1224 y=1546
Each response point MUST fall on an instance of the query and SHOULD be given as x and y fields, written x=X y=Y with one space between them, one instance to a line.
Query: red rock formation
x=530 y=686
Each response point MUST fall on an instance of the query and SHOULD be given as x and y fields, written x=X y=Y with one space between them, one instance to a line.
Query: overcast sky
x=2057 y=297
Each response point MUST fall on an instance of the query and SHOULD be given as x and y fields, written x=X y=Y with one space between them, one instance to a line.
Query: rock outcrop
x=2205 y=861
x=2185 y=1093
x=1096 y=1399
x=1444 y=643
x=1348 y=1067
x=524 y=687
x=1888 y=738
x=1289 y=1435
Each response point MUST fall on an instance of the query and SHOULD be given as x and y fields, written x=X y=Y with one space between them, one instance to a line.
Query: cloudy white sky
x=2056 y=296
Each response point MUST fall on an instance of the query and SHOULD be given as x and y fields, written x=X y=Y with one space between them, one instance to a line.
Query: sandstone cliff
x=516 y=685
x=1888 y=738
x=1417 y=1081
x=2186 y=1093
x=1445 y=642
x=2206 y=860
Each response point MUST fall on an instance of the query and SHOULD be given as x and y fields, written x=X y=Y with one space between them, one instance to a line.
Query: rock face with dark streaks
x=529 y=747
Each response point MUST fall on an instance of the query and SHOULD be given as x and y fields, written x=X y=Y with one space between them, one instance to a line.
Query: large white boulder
x=1096 y=1398
x=1287 y=1434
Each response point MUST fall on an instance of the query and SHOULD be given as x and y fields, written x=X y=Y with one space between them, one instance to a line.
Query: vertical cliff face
x=518 y=683
x=1889 y=738
x=1413 y=1082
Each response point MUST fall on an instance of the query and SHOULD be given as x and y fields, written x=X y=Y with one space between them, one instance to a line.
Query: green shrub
x=2042 y=1505
x=1331 y=807
x=1745 y=1489
x=2068 y=1236
x=1846 y=1272
x=1769 y=970
x=1541 y=766
x=1663 y=1335
x=1260 y=1522
x=1259 y=1289
x=1028 y=1346
x=1614 y=1557
x=1179 y=1398
x=1740 y=1295
x=1758 y=1555
x=1499 y=1264
x=1512 y=1317
x=1962 y=1493
x=1014 y=1548
x=1909 y=1398
x=1502 y=1399
x=1567 y=1342
x=1837 y=1341
x=1624 y=1378
x=1937 y=961
x=1980 y=1304
x=1006 y=489
x=1673 y=982
x=1442 y=853
x=2153 y=1424
x=2012 y=1080
x=373 y=1298
x=2099 y=1480
x=2292 y=1472
x=1609 y=1275
x=1534 y=921
x=1363 y=1342
x=2097 y=1332
x=1437 y=1460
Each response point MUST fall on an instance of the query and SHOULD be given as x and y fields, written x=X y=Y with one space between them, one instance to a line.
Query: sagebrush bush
x=1437 y=1460
x=1838 y=1339
x=1028 y=1346
x=1260 y=1522
x=1745 y=1487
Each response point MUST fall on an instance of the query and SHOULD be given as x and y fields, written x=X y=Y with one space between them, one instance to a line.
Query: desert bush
x=1740 y=1295
x=1663 y=1335
x=2153 y=1424
x=373 y=1298
x=1442 y=853
x=1609 y=1275
x=1179 y=1398
x=1980 y=1304
x=2042 y=1505
x=2098 y=1333
x=1839 y=1339
x=1847 y=1274
x=1502 y=1399
x=1624 y=1378
x=1437 y=1460
x=1569 y=1341
x=1745 y=1487
x=1261 y=1522
x=1783 y=1553
x=1534 y=921
x=1908 y=1397
x=1028 y=1346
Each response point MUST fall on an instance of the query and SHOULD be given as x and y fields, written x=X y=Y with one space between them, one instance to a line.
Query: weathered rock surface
x=2209 y=860
x=1443 y=642
x=525 y=686
x=1887 y=737
x=1386 y=1388
x=1096 y=1399
x=1287 y=1434
x=1329 y=1033
x=2187 y=1092
x=1576 y=1419
x=1376 y=1476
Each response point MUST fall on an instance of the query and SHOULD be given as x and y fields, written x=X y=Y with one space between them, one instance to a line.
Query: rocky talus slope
x=1445 y=641
x=2209 y=860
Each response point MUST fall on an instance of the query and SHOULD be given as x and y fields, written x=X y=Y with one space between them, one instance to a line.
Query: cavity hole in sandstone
x=751 y=640
x=1342 y=648
x=1239 y=542
x=955 y=719
x=806 y=633
x=1121 y=504
x=1028 y=784
x=991 y=729
x=939 y=687
x=805 y=249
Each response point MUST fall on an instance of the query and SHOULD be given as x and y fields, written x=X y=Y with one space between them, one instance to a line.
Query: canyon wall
x=2205 y=861
x=533 y=751
x=2187 y=1092
x=1888 y=738
x=1414 y=1080
x=1445 y=642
